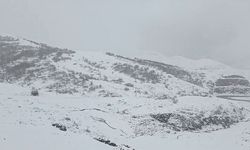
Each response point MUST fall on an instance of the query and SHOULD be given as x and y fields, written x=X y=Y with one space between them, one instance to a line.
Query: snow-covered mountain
x=48 y=68
x=117 y=102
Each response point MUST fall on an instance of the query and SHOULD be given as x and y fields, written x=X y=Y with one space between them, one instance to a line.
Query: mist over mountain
x=195 y=29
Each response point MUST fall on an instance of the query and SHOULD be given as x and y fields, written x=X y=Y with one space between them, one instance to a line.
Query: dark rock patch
x=195 y=122
x=108 y=142
x=60 y=126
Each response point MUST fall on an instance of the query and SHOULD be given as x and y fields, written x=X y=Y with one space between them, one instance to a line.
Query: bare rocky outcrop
x=232 y=85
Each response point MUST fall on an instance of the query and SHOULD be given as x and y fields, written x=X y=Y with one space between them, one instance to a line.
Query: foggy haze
x=216 y=29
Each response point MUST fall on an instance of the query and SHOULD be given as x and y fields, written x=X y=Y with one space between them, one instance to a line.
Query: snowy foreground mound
x=54 y=121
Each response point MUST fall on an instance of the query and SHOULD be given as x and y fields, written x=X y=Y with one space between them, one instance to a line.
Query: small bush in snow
x=175 y=100
x=34 y=92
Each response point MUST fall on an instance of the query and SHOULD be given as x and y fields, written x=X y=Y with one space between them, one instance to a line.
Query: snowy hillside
x=93 y=100
x=103 y=74
x=53 y=121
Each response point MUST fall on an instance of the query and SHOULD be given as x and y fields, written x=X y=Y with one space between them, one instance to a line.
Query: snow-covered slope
x=184 y=62
x=95 y=100
x=90 y=73
x=105 y=74
x=53 y=121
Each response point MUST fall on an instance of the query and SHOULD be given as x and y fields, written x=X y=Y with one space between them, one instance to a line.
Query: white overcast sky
x=217 y=29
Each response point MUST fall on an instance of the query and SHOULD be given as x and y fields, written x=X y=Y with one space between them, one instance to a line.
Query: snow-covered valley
x=27 y=122
x=92 y=100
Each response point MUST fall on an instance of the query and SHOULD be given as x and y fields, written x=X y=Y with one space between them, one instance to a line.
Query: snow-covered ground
x=26 y=122
x=115 y=102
